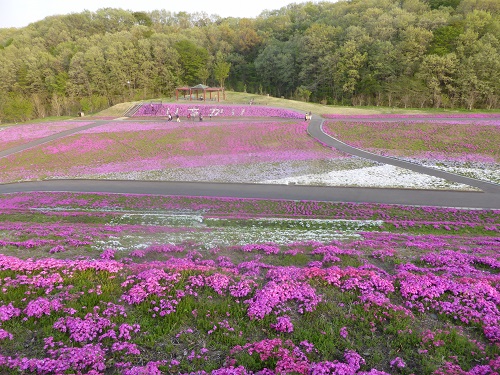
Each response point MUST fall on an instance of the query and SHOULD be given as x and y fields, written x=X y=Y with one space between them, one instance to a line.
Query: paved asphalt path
x=287 y=192
x=489 y=198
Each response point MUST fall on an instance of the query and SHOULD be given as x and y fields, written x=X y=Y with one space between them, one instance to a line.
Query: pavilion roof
x=200 y=86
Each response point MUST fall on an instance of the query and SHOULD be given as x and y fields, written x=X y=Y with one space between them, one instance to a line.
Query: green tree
x=411 y=49
x=277 y=66
x=221 y=69
x=143 y=19
x=349 y=60
x=445 y=39
x=437 y=72
x=203 y=74
x=314 y=52
x=192 y=59
x=17 y=108
x=167 y=67
x=95 y=67
x=357 y=51
x=479 y=74
x=436 y=4
x=79 y=82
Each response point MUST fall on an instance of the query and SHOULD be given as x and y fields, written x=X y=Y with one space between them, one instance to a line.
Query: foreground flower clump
x=416 y=291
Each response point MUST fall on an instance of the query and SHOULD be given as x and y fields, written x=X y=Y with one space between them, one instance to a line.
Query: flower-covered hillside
x=158 y=148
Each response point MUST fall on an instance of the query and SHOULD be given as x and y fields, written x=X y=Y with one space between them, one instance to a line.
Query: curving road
x=315 y=130
x=489 y=198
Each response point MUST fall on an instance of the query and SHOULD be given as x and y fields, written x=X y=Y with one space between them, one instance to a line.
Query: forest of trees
x=404 y=53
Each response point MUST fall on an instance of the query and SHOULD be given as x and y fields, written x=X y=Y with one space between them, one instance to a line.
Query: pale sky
x=20 y=13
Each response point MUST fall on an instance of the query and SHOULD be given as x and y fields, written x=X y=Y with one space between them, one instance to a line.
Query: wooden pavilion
x=196 y=91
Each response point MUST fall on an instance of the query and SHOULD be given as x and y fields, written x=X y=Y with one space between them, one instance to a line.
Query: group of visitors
x=308 y=116
x=170 y=118
x=200 y=116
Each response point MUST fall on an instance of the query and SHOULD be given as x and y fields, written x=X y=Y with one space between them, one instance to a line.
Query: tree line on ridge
x=403 y=53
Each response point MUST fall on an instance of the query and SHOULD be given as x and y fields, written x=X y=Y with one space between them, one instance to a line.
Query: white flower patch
x=244 y=236
x=173 y=220
x=114 y=243
x=243 y=173
x=489 y=175
x=326 y=224
x=385 y=175
x=230 y=232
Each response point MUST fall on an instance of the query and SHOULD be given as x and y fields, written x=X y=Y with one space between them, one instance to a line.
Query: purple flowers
x=15 y=135
x=108 y=254
x=42 y=306
x=127 y=147
x=8 y=311
x=283 y=324
x=343 y=332
x=265 y=248
x=5 y=335
x=274 y=296
x=398 y=363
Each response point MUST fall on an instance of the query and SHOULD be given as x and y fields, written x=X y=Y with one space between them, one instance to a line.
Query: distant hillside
x=405 y=53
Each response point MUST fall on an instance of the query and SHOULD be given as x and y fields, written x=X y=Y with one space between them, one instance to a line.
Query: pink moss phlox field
x=31 y=265
x=274 y=296
x=285 y=284
x=215 y=110
x=58 y=238
x=283 y=324
x=467 y=300
x=89 y=358
x=122 y=147
x=217 y=144
x=8 y=311
x=265 y=248
x=439 y=140
x=42 y=306
x=12 y=136
x=407 y=216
